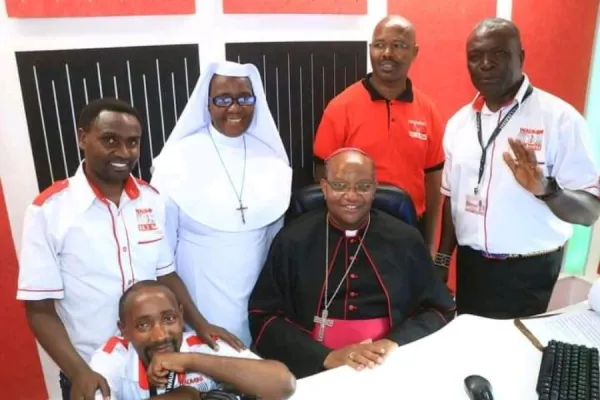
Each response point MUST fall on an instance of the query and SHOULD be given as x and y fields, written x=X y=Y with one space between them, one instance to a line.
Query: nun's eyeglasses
x=227 y=101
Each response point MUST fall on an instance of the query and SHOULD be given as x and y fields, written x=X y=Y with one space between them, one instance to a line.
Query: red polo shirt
x=403 y=136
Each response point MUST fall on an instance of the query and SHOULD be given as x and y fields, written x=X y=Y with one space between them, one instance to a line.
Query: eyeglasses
x=226 y=101
x=344 y=187
x=397 y=47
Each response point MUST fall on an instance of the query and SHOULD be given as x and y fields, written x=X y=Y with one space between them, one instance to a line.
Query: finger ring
x=351 y=355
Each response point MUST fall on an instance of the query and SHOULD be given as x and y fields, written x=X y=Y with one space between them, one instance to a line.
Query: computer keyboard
x=569 y=372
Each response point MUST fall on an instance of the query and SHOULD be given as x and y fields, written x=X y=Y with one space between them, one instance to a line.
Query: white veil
x=195 y=116
x=189 y=172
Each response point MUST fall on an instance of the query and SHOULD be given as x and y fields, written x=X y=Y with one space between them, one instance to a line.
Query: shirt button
x=353 y=276
x=352 y=308
x=350 y=258
x=129 y=282
x=353 y=294
x=124 y=249
x=352 y=240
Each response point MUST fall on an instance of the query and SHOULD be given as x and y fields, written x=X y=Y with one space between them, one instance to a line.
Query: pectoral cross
x=323 y=321
x=241 y=209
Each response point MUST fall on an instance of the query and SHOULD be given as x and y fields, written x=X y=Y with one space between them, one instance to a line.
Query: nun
x=226 y=179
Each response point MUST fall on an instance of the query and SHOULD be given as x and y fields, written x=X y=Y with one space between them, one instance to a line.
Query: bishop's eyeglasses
x=345 y=187
x=225 y=101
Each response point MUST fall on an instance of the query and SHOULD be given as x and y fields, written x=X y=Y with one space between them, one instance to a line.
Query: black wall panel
x=300 y=78
x=56 y=85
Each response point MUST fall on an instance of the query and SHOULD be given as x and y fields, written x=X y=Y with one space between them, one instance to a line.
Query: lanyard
x=170 y=385
x=494 y=135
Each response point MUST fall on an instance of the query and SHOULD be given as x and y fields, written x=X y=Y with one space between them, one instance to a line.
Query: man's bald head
x=498 y=26
x=395 y=22
x=338 y=161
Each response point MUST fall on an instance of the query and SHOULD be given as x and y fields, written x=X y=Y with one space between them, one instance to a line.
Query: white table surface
x=435 y=366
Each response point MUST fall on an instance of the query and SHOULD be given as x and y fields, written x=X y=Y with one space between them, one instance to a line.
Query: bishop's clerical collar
x=346 y=232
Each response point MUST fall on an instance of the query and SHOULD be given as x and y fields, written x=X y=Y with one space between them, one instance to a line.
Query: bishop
x=391 y=296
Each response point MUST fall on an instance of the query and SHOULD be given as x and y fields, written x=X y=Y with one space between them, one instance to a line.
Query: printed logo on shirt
x=475 y=204
x=417 y=129
x=192 y=380
x=145 y=219
x=532 y=138
x=198 y=381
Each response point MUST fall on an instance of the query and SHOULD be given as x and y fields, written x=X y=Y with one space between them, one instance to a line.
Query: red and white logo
x=533 y=139
x=145 y=219
x=417 y=129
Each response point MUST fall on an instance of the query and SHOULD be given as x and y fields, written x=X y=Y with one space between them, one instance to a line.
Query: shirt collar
x=479 y=105
x=137 y=370
x=349 y=233
x=407 y=96
x=86 y=192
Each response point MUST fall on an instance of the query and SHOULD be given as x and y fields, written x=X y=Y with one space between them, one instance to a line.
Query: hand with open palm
x=525 y=168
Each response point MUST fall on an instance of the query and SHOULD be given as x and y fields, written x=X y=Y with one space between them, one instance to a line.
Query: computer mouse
x=478 y=388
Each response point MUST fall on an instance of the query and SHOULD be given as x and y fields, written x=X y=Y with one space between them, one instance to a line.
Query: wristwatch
x=552 y=189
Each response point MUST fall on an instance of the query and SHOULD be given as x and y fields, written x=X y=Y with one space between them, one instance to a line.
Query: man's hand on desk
x=387 y=346
x=367 y=354
x=85 y=383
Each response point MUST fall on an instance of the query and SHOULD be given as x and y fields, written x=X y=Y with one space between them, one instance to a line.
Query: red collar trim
x=130 y=187
x=142 y=376
x=479 y=102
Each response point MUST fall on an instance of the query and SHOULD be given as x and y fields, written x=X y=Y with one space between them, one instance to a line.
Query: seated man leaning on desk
x=154 y=348
x=348 y=284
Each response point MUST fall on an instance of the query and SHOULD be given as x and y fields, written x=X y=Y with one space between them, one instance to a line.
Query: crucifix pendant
x=241 y=209
x=322 y=321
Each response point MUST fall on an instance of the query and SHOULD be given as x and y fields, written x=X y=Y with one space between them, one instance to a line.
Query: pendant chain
x=328 y=303
x=240 y=194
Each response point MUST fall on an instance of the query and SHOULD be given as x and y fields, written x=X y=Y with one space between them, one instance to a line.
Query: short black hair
x=91 y=111
x=138 y=287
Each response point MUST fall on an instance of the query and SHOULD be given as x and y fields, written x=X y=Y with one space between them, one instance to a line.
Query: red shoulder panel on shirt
x=196 y=341
x=142 y=182
x=50 y=191
x=113 y=342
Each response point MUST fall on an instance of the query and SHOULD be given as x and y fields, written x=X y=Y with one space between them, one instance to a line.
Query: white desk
x=435 y=366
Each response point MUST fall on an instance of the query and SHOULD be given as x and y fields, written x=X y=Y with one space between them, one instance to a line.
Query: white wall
x=208 y=27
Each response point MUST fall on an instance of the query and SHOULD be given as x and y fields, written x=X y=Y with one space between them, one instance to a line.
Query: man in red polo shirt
x=386 y=117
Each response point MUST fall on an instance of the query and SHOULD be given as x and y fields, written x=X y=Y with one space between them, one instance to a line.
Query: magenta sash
x=346 y=332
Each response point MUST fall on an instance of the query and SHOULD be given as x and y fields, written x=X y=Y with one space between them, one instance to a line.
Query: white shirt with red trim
x=120 y=365
x=82 y=250
x=508 y=218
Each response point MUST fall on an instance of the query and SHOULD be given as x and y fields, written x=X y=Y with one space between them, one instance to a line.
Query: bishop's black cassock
x=392 y=290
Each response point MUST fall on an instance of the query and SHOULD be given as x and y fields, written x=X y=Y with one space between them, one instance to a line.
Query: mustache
x=154 y=346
